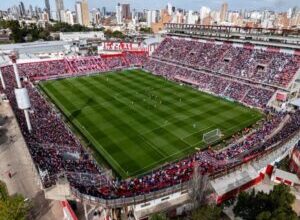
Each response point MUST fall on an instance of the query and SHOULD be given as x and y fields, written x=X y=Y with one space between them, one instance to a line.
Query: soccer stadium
x=133 y=129
x=131 y=114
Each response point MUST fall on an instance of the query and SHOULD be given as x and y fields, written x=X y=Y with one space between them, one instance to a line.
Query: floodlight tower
x=21 y=94
x=2 y=80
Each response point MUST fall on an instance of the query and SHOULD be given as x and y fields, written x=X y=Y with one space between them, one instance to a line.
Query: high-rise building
x=119 y=13
x=47 y=7
x=126 y=11
x=151 y=17
x=179 y=17
x=22 y=9
x=82 y=12
x=295 y=11
x=30 y=11
x=69 y=17
x=78 y=10
x=192 y=17
x=59 y=9
x=15 y=11
x=122 y=12
x=223 y=12
x=169 y=8
x=45 y=16
x=204 y=12
x=85 y=13
x=95 y=16
x=103 y=12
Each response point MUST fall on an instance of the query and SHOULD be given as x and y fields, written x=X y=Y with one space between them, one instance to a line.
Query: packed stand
x=53 y=147
x=57 y=152
x=85 y=64
x=136 y=58
x=78 y=65
x=259 y=66
x=251 y=95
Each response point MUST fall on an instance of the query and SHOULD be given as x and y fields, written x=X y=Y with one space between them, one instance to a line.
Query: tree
x=263 y=206
x=158 y=217
x=23 y=32
x=18 y=33
x=207 y=212
x=3 y=191
x=147 y=30
x=115 y=34
x=199 y=188
x=12 y=207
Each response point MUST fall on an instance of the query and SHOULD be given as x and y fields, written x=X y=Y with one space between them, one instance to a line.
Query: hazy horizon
x=277 y=5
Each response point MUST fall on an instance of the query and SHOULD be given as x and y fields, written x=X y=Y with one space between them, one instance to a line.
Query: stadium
x=134 y=129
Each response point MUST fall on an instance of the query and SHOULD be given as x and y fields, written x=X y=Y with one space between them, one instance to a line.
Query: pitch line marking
x=197 y=132
x=88 y=134
x=153 y=146
x=158 y=161
x=178 y=152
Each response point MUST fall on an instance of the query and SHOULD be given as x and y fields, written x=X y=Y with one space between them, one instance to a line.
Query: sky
x=278 y=5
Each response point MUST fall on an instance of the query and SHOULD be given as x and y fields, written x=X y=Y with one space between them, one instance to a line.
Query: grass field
x=138 y=121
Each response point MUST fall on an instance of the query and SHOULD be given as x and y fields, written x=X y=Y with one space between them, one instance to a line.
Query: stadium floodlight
x=2 y=80
x=21 y=94
x=212 y=136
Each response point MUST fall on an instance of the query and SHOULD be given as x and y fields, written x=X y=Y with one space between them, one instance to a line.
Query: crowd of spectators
x=252 y=95
x=42 y=68
x=137 y=58
x=78 y=65
x=85 y=64
x=260 y=66
x=57 y=152
x=207 y=161
x=53 y=147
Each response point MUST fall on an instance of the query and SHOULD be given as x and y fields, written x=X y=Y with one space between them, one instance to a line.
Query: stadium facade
x=263 y=77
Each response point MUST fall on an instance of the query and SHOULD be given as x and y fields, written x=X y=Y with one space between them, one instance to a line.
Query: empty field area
x=138 y=121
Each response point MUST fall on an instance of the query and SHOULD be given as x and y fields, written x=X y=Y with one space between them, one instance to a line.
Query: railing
x=182 y=187
x=120 y=202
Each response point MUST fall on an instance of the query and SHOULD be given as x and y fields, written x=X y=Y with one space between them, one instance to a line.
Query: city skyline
x=277 y=5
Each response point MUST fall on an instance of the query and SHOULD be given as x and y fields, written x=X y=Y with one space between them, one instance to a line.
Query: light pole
x=2 y=80
x=21 y=94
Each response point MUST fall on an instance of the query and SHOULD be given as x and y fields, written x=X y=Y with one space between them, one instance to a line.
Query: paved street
x=15 y=158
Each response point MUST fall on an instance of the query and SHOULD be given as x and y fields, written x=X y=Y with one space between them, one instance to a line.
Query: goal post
x=212 y=136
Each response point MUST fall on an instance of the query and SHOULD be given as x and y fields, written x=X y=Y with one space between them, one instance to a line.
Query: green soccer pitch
x=138 y=121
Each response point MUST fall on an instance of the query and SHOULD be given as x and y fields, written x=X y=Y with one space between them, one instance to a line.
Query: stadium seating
x=252 y=95
x=79 y=65
x=56 y=151
x=270 y=67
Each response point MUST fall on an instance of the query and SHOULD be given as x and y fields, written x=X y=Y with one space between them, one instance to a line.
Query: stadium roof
x=225 y=184
x=153 y=40
x=296 y=102
x=286 y=176
x=35 y=47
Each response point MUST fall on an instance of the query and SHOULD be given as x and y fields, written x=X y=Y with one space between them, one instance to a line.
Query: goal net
x=212 y=136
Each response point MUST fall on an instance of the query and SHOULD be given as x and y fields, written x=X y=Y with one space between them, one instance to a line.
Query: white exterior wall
x=78 y=9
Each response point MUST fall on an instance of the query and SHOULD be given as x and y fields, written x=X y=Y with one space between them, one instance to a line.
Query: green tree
x=262 y=206
x=207 y=212
x=23 y=32
x=3 y=191
x=65 y=27
x=158 y=217
x=18 y=33
x=12 y=207
x=146 y=30
x=264 y=215
x=115 y=34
